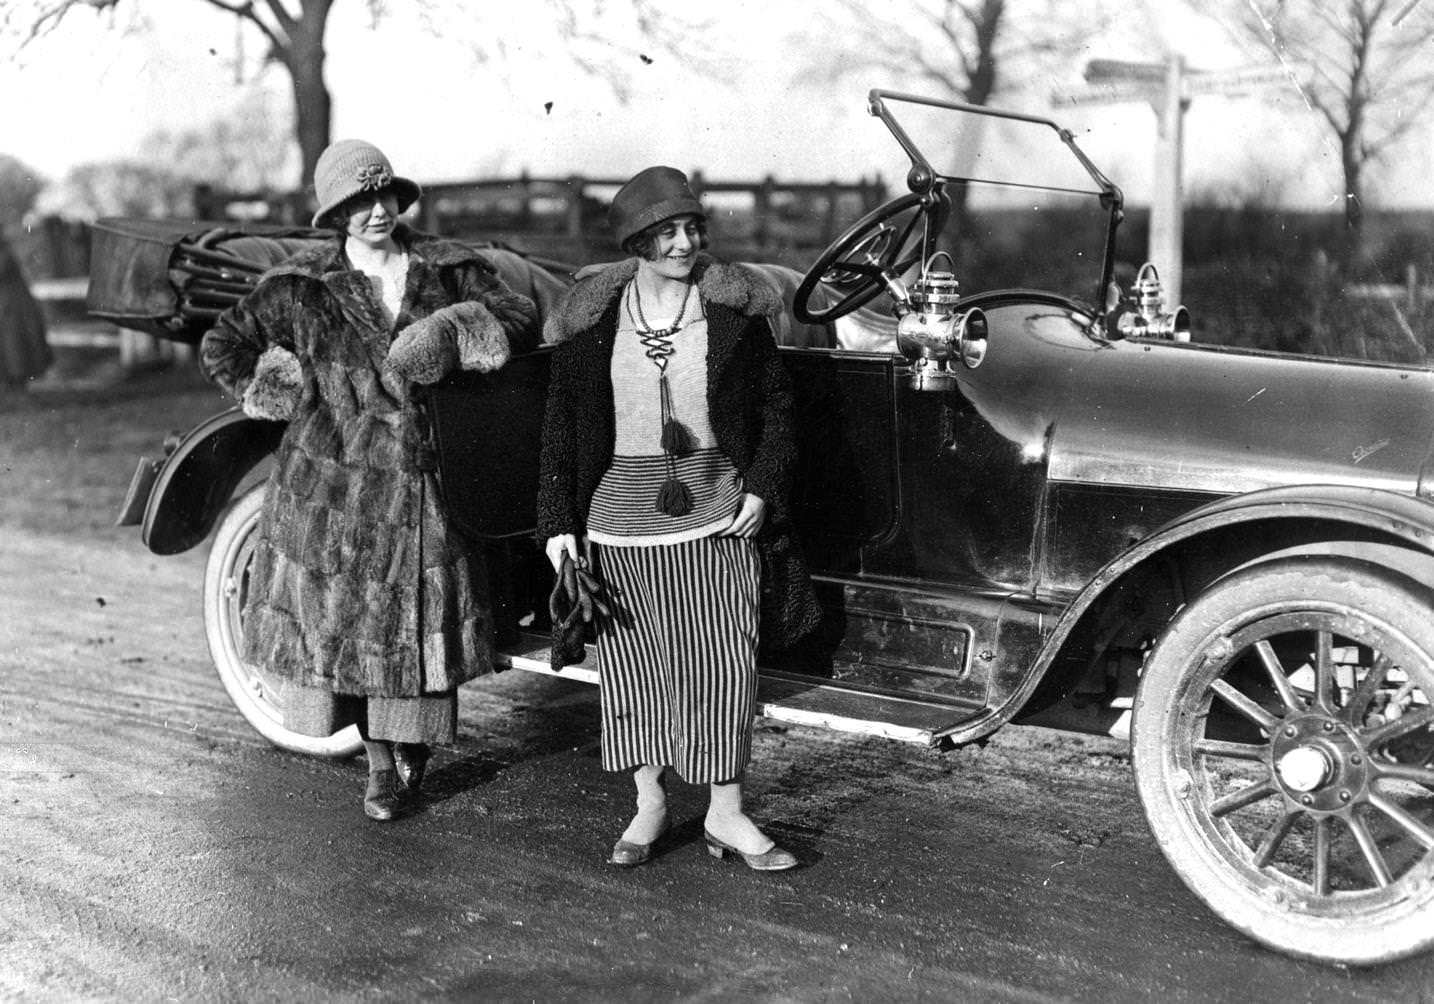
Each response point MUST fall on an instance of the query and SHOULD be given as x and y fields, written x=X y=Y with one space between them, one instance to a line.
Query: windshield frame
x=923 y=179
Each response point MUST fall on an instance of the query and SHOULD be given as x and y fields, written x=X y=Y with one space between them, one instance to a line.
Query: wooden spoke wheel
x=1284 y=753
x=255 y=692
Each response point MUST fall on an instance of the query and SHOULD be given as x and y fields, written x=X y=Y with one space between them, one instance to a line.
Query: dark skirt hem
x=314 y=711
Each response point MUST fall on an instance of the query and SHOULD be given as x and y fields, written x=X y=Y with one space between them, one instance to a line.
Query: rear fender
x=1382 y=527
x=197 y=480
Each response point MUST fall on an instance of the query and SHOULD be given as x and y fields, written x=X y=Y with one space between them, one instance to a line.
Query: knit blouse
x=387 y=282
x=624 y=510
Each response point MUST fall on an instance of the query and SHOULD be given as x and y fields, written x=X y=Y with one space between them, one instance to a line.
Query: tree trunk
x=1353 y=204
x=979 y=87
x=313 y=108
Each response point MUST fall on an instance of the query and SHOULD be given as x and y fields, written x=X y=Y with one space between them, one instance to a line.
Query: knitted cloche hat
x=351 y=166
x=651 y=196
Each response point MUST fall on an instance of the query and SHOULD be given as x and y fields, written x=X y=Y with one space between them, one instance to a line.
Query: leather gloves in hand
x=577 y=595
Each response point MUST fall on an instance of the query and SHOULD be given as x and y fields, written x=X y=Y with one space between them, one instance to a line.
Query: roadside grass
x=69 y=443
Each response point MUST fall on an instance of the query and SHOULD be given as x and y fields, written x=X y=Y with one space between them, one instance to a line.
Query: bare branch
x=247 y=12
x=964 y=59
x=879 y=49
x=933 y=72
x=240 y=10
x=48 y=17
x=1378 y=145
x=282 y=17
x=583 y=30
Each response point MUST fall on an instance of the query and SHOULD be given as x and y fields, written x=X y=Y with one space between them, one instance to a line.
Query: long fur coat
x=358 y=584
x=749 y=399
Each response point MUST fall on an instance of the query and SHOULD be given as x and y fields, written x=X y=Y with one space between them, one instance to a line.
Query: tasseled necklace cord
x=673 y=498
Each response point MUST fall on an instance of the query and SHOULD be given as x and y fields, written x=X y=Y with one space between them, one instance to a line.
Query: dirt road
x=157 y=848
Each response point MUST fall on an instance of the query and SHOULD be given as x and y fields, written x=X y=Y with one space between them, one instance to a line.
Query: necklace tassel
x=677 y=439
x=673 y=498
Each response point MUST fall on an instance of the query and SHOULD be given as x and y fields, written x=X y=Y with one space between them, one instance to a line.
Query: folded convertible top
x=172 y=278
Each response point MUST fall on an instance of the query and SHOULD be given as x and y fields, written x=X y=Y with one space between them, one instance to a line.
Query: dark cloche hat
x=651 y=196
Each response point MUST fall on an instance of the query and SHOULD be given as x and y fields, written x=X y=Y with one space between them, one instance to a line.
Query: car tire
x=254 y=691
x=1302 y=811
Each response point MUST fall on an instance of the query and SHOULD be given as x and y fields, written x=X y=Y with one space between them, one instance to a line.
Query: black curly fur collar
x=731 y=286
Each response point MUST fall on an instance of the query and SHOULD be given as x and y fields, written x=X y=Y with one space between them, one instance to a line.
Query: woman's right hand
x=557 y=546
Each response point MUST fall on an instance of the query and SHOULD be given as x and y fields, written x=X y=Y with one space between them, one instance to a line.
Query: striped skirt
x=677 y=661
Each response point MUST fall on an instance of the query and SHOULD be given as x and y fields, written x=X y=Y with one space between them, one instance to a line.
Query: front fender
x=1404 y=523
x=1372 y=508
x=197 y=480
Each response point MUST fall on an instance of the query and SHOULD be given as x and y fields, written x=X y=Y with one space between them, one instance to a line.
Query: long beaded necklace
x=673 y=498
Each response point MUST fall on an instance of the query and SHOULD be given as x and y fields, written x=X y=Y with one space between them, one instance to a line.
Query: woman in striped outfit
x=668 y=443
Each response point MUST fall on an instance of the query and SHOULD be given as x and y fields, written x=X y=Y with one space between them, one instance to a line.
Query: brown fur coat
x=749 y=399
x=358 y=585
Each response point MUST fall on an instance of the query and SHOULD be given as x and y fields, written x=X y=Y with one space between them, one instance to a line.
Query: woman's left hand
x=749 y=518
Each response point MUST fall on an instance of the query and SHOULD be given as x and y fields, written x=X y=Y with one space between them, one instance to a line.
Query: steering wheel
x=876 y=249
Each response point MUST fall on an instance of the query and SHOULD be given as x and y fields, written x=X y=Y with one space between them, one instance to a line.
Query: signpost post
x=1168 y=88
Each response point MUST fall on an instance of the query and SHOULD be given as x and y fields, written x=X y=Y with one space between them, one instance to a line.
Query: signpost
x=1168 y=88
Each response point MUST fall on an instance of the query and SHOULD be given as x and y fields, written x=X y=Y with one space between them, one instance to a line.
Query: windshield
x=1031 y=210
x=974 y=143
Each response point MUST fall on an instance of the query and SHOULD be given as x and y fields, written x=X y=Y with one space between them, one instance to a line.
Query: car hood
x=1159 y=414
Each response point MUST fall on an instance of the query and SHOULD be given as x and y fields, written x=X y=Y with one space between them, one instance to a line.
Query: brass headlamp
x=932 y=333
x=1149 y=318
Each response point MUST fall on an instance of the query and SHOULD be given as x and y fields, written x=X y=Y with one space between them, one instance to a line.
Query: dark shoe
x=626 y=854
x=383 y=800
x=411 y=760
x=773 y=860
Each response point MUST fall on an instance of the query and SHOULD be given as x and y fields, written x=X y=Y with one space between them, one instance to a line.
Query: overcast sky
x=87 y=94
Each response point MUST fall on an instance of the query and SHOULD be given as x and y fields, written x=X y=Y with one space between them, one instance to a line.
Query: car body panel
x=1054 y=465
x=199 y=477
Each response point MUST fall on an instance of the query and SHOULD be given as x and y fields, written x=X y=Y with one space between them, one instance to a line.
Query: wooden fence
x=1411 y=294
x=565 y=217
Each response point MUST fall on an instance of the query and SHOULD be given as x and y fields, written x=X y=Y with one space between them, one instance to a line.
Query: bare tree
x=963 y=50
x=1368 y=70
x=294 y=30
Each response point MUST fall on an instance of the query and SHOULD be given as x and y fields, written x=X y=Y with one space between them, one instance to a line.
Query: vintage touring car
x=1047 y=505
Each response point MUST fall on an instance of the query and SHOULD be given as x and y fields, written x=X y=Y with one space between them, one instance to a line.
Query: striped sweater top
x=624 y=507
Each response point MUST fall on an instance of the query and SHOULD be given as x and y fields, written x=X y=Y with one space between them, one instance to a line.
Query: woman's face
x=675 y=250
x=370 y=216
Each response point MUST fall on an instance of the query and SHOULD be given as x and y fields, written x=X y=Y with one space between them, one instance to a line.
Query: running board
x=796 y=699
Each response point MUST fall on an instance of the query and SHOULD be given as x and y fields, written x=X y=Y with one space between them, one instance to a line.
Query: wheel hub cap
x=1304 y=768
x=1320 y=762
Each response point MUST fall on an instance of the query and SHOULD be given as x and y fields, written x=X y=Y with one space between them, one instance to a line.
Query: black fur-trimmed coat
x=358 y=585
x=749 y=398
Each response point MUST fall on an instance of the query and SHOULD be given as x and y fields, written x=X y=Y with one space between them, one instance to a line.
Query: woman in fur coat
x=668 y=443
x=361 y=597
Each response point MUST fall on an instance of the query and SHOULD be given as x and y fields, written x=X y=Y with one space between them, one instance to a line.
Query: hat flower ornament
x=374 y=177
